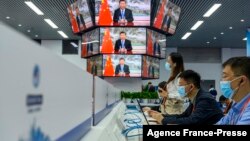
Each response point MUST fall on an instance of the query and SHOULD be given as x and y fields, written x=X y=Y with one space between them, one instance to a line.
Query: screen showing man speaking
x=122 y=65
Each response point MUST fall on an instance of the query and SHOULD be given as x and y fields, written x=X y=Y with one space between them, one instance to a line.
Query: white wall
x=126 y=84
x=56 y=47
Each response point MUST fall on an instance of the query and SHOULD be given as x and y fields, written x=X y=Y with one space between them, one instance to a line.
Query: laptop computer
x=145 y=117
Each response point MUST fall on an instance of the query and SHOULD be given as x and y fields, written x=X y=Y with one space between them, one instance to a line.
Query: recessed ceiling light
x=212 y=10
x=28 y=30
x=230 y=27
x=215 y=38
x=197 y=24
x=242 y=20
x=62 y=34
x=36 y=36
x=52 y=24
x=74 y=44
x=7 y=17
x=244 y=39
x=222 y=33
x=34 y=7
x=186 y=35
x=19 y=25
x=208 y=42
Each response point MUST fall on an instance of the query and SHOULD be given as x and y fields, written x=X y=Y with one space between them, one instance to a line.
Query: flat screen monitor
x=94 y=65
x=79 y=16
x=123 y=40
x=121 y=65
x=122 y=12
x=90 y=43
x=156 y=44
x=167 y=16
x=150 y=67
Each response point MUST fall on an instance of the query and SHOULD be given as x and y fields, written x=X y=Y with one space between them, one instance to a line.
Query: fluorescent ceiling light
x=212 y=10
x=52 y=24
x=36 y=36
x=28 y=30
x=244 y=39
x=215 y=38
x=208 y=42
x=95 y=41
x=74 y=44
x=186 y=35
x=19 y=25
x=242 y=20
x=34 y=8
x=222 y=33
x=7 y=17
x=230 y=27
x=199 y=23
x=62 y=34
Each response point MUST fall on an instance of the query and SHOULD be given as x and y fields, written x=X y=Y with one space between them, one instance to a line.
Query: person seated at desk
x=123 y=45
x=123 y=15
x=225 y=104
x=122 y=69
x=235 y=85
x=203 y=110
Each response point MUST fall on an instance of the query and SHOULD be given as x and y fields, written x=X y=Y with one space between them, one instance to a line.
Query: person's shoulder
x=117 y=10
x=204 y=95
x=129 y=10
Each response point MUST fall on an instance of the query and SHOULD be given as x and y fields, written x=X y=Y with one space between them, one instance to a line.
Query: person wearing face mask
x=174 y=103
x=235 y=85
x=203 y=108
x=163 y=96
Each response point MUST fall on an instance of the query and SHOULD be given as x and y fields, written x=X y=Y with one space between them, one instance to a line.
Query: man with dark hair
x=226 y=104
x=167 y=20
x=122 y=69
x=203 y=108
x=123 y=45
x=123 y=14
x=94 y=68
x=151 y=69
x=212 y=91
x=157 y=47
x=235 y=85
x=80 y=20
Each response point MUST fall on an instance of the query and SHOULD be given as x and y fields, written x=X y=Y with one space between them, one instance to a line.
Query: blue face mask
x=181 y=91
x=226 y=88
x=167 y=67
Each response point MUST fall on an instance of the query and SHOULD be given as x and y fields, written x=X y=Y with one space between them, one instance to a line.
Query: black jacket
x=125 y=69
x=128 y=15
x=166 y=22
x=89 y=47
x=157 y=47
x=204 y=111
x=127 y=45
x=151 y=71
x=80 y=18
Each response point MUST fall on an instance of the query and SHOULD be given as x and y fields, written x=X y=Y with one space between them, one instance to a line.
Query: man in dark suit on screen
x=80 y=20
x=123 y=15
x=122 y=69
x=157 y=47
x=123 y=45
x=151 y=70
x=94 y=68
x=167 y=20
x=89 y=46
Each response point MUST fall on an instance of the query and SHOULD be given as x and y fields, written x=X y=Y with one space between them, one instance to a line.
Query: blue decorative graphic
x=36 y=134
x=36 y=76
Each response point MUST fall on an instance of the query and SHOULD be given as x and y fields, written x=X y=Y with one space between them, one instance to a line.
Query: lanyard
x=241 y=110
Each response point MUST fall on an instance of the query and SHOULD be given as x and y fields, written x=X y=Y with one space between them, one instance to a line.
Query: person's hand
x=156 y=115
x=145 y=109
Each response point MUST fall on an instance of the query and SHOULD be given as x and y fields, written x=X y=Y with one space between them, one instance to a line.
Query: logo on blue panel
x=36 y=76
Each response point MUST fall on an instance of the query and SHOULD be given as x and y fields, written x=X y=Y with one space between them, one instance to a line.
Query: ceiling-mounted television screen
x=90 y=43
x=167 y=16
x=150 y=67
x=122 y=12
x=121 y=65
x=79 y=16
x=156 y=44
x=123 y=40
